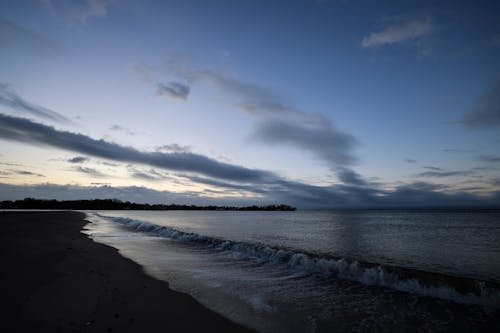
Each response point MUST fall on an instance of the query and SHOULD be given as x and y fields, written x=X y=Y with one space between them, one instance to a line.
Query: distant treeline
x=115 y=204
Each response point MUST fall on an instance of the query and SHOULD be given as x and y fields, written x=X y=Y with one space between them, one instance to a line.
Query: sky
x=312 y=103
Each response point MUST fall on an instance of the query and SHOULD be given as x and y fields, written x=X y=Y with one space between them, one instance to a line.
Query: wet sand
x=56 y=279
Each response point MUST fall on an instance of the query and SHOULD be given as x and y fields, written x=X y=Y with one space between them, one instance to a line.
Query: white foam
x=307 y=263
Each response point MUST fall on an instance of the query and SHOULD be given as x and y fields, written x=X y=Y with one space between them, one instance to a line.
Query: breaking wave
x=437 y=285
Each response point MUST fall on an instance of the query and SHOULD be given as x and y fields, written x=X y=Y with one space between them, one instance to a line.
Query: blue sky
x=312 y=103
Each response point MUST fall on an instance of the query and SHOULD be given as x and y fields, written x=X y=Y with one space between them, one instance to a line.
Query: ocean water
x=322 y=271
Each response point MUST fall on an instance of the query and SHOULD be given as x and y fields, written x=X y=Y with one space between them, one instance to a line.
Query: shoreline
x=58 y=279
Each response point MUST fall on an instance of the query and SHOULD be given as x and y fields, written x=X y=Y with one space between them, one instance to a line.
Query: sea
x=322 y=271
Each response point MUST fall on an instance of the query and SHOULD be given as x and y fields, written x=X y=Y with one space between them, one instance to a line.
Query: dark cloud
x=348 y=176
x=174 y=147
x=442 y=174
x=416 y=195
x=78 y=159
x=433 y=168
x=226 y=185
x=173 y=89
x=279 y=122
x=90 y=171
x=23 y=130
x=490 y=158
x=324 y=140
x=27 y=173
x=450 y=150
x=119 y=128
x=143 y=175
x=420 y=195
x=150 y=175
x=12 y=100
x=265 y=186
x=132 y=193
x=410 y=160
x=486 y=111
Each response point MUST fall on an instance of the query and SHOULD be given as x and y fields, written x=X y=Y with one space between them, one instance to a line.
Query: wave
x=458 y=289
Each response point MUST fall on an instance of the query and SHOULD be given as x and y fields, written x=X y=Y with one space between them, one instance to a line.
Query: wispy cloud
x=144 y=176
x=485 y=112
x=174 y=147
x=78 y=159
x=252 y=98
x=150 y=175
x=122 y=129
x=12 y=100
x=490 y=158
x=90 y=171
x=324 y=140
x=77 y=11
x=452 y=150
x=277 y=121
x=442 y=174
x=433 y=168
x=27 y=173
x=13 y=35
x=410 y=160
x=173 y=89
x=23 y=130
x=409 y=30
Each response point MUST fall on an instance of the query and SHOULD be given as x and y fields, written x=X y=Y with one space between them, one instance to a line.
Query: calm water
x=322 y=270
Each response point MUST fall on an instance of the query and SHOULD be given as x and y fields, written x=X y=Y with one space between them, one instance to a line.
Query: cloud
x=410 y=160
x=415 y=195
x=398 y=33
x=14 y=35
x=278 y=122
x=348 y=176
x=490 y=158
x=324 y=140
x=23 y=130
x=421 y=195
x=78 y=159
x=100 y=184
x=486 y=110
x=450 y=150
x=90 y=171
x=433 y=168
x=143 y=176
x=174 y=147
x=173 y=89
x=27 y=173
x=442 y=174
x=79 y=11
x=12 y=100
x=119 y=128
x=253 y=99
x=149 y=175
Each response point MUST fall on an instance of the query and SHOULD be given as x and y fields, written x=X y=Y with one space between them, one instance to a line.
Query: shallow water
x=322 y=270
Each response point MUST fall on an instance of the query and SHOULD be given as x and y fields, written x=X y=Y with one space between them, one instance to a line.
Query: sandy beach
x=56 y=279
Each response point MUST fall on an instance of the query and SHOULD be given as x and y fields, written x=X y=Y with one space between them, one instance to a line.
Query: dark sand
x=55 y=279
